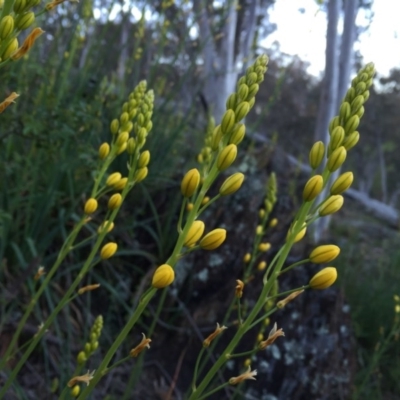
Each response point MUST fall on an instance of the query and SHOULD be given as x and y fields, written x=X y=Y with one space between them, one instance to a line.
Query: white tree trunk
x=220 y=60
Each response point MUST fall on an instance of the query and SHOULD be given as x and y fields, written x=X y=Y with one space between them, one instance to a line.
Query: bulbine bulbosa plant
x=128 y=134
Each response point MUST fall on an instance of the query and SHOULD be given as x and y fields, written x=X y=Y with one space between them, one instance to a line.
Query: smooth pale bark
x=328 y=100
x=222 y=56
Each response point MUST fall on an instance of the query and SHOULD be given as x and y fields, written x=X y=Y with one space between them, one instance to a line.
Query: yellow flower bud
x=205 y=200
x=113 y=179
x=228 y=121
x=108 y=250
x=213 y=239
x=242 y=110
x=337 y=138
x=259 y=230
x=19 y=6
x=131 y=145
x=227 y=157
x=75 y=391
x=243 y=91
x=333 y=124
x=104 y=150
x=216 y=137
x=247 y=258
x=141 y=174
x=273 y=223
x=336 y=159
x=317 y=153
x=238 y=134
x=299 y=236
x=253 y=89
x=120 y=185
x=231 y=102
x=261 y=213
x=264 y=247
x=313 y=188
x=144 y=159
x=163 y=276
x=231 y=184
x=122 y=139
x=342 y=183
x=103 y=226
x=190 y=182
x=90 y=206
x=324 y=278
x=124 y=118
x=324 y=254
x=81 y=357
x=261 y=265
x=94 y=346
x=114 y=126
x=114 y=201
x=331 y=205
x=357 y=103
x=352 y=124
x=344 y=111
x=351 y=140
x=121 y=148
x=195 y=233
x=24 y=21
x=189 y=207
x=12 y=46
x=6 y=26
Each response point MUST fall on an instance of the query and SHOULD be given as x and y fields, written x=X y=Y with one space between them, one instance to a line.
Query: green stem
x=266 y=315
x=294 y=265
x=239 y=311
x=245 y=353
x=242 y=329
x=196 y=368
x=214 y=391
x=102 y=369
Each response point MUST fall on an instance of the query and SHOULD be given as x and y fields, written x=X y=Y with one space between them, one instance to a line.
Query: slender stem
x=196 y=368
x=102 y=369
x=266 y=315
x=245 y=353
x=294 y=265
x=239 y=311
x=119 y=362
x=214 y=391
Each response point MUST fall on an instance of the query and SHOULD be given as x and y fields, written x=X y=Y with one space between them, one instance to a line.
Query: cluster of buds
x=343 y=136
x=210 y=241
x=129 y=133
x=93 y=343
x=14 y=21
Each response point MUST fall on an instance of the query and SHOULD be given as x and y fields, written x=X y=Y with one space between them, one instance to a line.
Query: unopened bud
x=336 y=159
x=331 y=205
x=342 y=183
x=227 y=157
x=317 y=153
x=313 y=188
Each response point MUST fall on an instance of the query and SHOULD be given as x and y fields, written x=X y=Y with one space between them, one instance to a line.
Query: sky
x=303 y=33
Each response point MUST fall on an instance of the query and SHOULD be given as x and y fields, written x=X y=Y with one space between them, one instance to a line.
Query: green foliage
x=369 y=274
